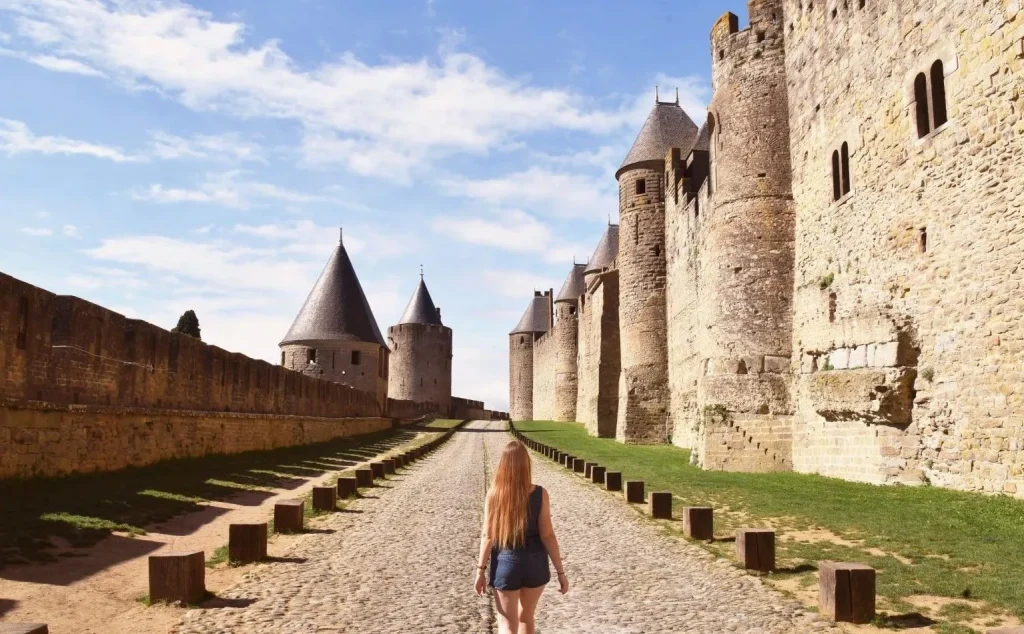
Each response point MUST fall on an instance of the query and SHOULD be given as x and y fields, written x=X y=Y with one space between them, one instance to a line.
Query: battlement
x=732 y=48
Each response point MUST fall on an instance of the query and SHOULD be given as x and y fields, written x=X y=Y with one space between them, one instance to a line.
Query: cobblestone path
x=403 y=561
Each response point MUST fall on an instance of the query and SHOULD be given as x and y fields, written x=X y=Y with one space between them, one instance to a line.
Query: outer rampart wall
x=545 y=359
x=599 y=361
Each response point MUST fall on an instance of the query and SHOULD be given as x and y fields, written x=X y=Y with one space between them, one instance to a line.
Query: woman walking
x=516 y=541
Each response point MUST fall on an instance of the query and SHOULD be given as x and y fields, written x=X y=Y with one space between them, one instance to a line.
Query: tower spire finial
x=341 y=235
x=655 y=93
x=677 y=95
x=421 y=272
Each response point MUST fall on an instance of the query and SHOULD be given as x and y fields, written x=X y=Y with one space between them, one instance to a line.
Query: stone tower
x=643 y=382
x=746 y=277
x=566 y=334
x=335 y=335
x=535 y=322
x=421 y=353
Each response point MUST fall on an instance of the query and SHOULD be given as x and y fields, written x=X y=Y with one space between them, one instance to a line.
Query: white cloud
x=428 y=108
x=17 y=138
x=557 y=193
x=220 y=147
x=228 y=189
x=104 y=277
x=514 y=231
x=49 y=62
x=71 y=231
x=517 y=284
x=307 y=237
x=38 y=232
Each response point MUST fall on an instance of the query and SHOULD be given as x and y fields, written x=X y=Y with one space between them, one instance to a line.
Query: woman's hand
x=481 y=583
x=563 y=583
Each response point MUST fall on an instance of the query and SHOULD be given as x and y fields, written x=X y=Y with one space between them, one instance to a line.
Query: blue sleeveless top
x=532 y=544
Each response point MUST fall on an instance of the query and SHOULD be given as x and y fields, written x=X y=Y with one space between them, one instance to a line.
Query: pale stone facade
x=838 y=288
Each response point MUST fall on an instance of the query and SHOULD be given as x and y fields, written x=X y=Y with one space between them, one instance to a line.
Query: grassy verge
x=922 y=541
x=80 y=510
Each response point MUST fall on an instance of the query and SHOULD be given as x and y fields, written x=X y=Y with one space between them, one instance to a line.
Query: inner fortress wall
x=420 y=363
x=598 y=364
x=545 y=359
x=520 y=376
x=908 y=315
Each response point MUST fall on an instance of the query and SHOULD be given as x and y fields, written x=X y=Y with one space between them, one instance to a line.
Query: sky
x=158 y=156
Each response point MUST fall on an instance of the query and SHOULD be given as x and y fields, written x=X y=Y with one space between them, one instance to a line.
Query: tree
x=188 y=324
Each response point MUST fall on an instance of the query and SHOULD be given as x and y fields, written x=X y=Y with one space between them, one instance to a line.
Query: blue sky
x=158 y=156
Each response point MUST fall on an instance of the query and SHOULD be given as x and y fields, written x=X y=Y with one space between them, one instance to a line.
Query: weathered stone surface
x=24 y=628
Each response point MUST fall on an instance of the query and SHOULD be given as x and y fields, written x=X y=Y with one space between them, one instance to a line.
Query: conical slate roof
x=606 y=251
x=336 y=308
x=421 y=309
x=667 y=126
x=703 y=142
x=573 y=286
x=536 y=319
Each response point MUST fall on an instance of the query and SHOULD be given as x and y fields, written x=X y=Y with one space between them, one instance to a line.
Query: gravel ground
x=402 y=560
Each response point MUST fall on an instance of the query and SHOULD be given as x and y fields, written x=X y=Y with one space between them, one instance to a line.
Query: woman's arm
x=485 y=553
x=547 y=536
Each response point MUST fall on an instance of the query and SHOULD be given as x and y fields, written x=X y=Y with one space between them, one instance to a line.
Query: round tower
x=643 y=325
x=748 y=249
x=535 y=322
x=604 y=255
x=567 y=329
x=421 y=353
x=335 y=335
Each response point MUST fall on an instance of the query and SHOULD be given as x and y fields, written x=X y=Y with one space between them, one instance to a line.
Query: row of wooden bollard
x=181 y=577
x=846 y=590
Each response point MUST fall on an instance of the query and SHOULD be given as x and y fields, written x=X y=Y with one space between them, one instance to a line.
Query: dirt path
x=96 y=592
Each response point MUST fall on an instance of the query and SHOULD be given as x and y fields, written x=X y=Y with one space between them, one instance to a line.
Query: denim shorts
x=512 y=570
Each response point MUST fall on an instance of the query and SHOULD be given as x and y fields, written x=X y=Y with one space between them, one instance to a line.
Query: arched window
x=921 y=98
x=844 y=161
x=837 y=191
x=938 y=94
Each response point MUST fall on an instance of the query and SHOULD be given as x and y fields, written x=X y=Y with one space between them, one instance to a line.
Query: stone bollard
x=325 y=498
x=597 y=474
x=846 y=591
x=699 y=522
x=755 y=548
x=378 y=470
x=364 y=478
x=578 y=464
x=613 y=480
x=178 y=577
x=247 y=543
x=389 y=465
x=346 y=488
x=24 y=628
x=660 y=504
x=288 y=516
x=588 y=468
x=635 y=491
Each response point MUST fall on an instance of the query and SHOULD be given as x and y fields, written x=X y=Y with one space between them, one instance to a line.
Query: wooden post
x=378 y=470
x=288 y=516
x=325 y=498
x=846 y=591
x=578 y=464
x=755 y=548
x=399 y=461
x=346 y=488
x=588 y=468
x=699 y=522
x=247 y=542
x=635 y=491
x=613 y=480
x=364 y=478
x=661 y=505
x=178 y=577
x=24 y=628
x=597 y=474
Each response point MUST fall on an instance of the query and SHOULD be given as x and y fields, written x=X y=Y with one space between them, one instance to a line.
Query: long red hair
x=509 y=497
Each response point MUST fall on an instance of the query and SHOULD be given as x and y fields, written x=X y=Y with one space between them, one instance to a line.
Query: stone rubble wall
x=598 y=359
x=545 y=359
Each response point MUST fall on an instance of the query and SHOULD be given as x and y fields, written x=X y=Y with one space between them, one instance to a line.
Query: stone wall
x=919 y=262
x=360 y=365
x=520 y=376
x=466 y=409
x=39 y=439
x=420 y=363
x=566 y=333
x=743 y=443
x=64 y=350
x=598 y=360
x=643 y=382
x=545 y=360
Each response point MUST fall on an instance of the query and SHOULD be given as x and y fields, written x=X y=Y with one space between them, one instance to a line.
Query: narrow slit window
x=922 y=240
x=837 y=192
x=22 y=323
x=282 y=357
x=844 y=161
x=921 y=97
x=938 y=77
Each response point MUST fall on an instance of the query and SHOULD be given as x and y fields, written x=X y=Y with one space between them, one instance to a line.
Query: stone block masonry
x=545 y=359
x=598 y=357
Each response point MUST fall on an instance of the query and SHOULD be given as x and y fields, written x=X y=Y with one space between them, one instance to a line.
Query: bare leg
x=528 y=600
x=507 y=605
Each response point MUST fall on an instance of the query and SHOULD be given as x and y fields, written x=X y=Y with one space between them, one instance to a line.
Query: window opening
x=938 y=95
x=641 y=186
x=921 y=96
x=844 y=160
x=356 y=357
x=311 y=355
